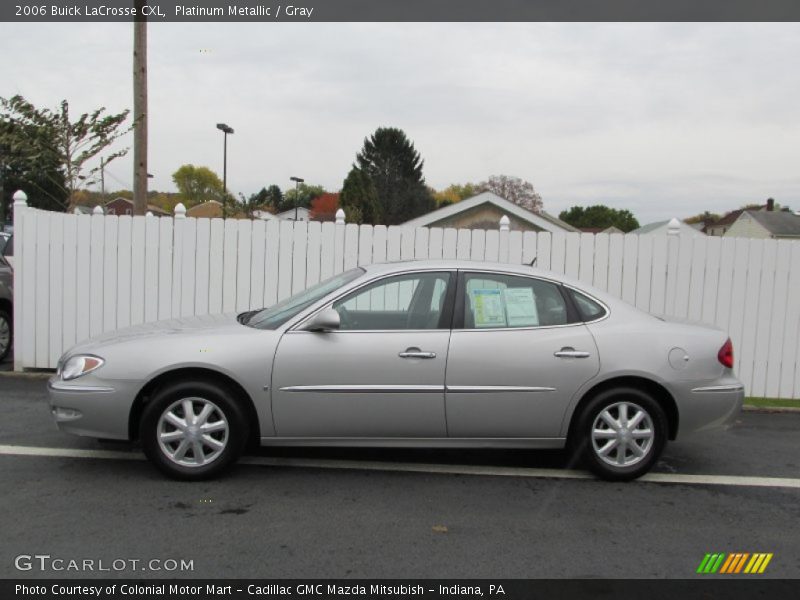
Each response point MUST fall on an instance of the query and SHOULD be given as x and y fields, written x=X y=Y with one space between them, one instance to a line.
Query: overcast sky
x=662 y=119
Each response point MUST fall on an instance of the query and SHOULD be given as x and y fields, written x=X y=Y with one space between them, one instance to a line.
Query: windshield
x=278 y=314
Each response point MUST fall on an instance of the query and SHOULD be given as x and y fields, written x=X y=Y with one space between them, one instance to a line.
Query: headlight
x=80 y=364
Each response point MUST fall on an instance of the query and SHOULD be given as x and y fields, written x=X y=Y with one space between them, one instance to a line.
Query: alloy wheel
x=622 y=434
x=193 y=432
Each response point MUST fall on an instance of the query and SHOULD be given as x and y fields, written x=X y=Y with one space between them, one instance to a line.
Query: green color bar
x=718 y=564
x=702 y=567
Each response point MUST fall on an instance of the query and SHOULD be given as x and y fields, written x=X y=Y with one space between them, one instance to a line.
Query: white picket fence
x=79 y=275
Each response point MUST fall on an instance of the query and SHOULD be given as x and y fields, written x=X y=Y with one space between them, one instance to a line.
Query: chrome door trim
x=365 y=389
x=484 y=389
x=65 y=387
x=736 y=387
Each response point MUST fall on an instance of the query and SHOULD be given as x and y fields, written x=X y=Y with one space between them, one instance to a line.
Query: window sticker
x=521 y=307
x=487 y=305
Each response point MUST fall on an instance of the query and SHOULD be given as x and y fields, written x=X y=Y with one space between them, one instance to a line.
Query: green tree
x=70 y=144
x=197 y=185
x=305 y=193
x=600 y=216
x=394 y=166
x=359 y=198
x=39 y=175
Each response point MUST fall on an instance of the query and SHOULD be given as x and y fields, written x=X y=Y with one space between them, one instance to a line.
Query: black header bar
x=305 y=11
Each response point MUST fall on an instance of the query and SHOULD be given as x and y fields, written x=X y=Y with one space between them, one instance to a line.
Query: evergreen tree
x=359 y=199
x=394 y=167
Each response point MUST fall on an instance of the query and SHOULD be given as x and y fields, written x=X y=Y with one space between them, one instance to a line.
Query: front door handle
x=416 y=353
x=570 y=352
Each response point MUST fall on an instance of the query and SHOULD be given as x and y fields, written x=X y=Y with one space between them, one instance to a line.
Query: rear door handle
x=416 y=353
x=569 y=352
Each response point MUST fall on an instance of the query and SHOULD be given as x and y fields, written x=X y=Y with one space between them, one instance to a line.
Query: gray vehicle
x=415 y=354
x=6 y=308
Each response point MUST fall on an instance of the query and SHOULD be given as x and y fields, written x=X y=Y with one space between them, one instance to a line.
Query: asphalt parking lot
x=401 y=514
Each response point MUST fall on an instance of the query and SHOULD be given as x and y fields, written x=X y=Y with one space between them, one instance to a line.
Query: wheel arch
x=194 y=374
x=659 y=393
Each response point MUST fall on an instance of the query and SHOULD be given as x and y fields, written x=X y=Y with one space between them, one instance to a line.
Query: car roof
x=427 y=264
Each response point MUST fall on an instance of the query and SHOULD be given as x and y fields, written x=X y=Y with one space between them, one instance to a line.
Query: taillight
x=725 y=355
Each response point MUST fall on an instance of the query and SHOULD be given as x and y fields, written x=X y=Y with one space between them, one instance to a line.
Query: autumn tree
x=394 y=167
x=454 y=193
x=324 y=207
x=599 y=216
x=359 y=198
x=513 y=189
x=197 y=185
x=72 y=144
x=703 y=217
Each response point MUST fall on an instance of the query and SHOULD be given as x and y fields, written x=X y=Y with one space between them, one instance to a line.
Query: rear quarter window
x=589 y=309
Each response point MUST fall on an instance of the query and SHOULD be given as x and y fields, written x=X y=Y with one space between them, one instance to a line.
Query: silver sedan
x=415 y=354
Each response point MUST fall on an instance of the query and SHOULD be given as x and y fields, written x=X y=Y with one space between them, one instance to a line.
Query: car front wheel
x=193 y=430
x=621 y=434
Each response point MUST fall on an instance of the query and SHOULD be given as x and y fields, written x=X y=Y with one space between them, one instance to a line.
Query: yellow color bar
x=754 y=562
x=765 y=563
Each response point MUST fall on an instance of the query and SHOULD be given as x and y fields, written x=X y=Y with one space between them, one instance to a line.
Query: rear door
x=518 y=354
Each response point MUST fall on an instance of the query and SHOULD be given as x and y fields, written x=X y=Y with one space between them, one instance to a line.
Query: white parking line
x=358 y=465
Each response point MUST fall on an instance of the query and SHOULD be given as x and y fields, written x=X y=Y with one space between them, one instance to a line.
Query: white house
x=484 y=211
x=781 y=224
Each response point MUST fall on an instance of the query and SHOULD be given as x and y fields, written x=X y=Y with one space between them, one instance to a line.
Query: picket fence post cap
x=20 y=198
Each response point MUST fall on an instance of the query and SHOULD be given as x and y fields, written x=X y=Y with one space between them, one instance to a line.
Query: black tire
x=5 y=321
x=589 y=447
x=224 y=408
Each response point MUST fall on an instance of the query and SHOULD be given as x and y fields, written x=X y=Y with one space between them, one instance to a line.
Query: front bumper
x=91 y=407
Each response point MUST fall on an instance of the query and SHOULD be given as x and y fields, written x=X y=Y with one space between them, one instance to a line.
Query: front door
x=517 y=356
x=381 y=374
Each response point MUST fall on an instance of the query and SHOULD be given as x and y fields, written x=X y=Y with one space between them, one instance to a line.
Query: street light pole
x=298 y=181
x=225 y=131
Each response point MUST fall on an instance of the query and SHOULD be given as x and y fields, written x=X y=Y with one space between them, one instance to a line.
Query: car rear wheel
x=193 y=430
x=5 y=334
x=621 y=433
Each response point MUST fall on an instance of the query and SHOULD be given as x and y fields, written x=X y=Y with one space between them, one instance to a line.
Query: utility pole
x=102 y=179
x=140 y=111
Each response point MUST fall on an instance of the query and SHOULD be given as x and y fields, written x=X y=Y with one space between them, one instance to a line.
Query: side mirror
x=327 y=320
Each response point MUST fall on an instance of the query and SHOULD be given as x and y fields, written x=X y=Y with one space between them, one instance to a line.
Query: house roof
x=150 y=207
x=541 y=220
x=654 y=227
x=732 y=216
x=610 y=229
x=650 y=227
x=778 y=223
x=289 y=214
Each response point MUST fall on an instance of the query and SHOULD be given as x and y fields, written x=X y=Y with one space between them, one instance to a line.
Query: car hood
x=205 y=324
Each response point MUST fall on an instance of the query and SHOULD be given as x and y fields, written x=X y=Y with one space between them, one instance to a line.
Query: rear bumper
x=91 y=407
x=709 y=406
